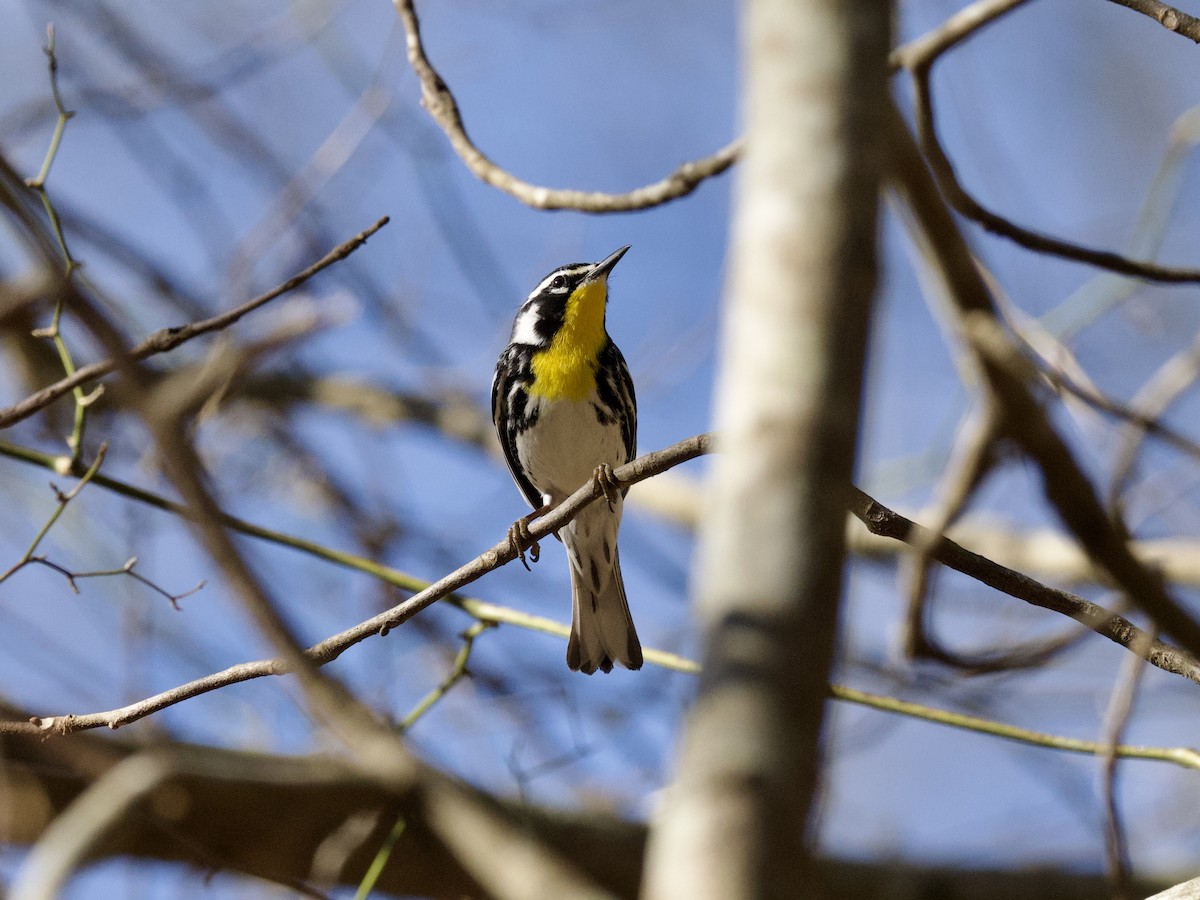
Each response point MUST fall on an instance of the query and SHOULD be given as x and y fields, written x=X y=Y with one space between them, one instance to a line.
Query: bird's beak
x=601 y=269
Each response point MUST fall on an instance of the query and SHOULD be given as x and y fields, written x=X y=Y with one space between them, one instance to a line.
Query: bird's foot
x=521 y=540
x=606 y=482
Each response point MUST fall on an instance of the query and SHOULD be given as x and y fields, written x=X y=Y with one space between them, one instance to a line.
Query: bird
x=565 y=411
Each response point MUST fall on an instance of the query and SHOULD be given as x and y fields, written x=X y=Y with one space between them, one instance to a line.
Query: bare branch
x=31 y=556
x=1144 y=413
x=1168 y=17
x=1116 y=719
x=1185 y=757
x=441 y=105
x=1051 y=554
x=63 y=501
x=169 y=338
x=77 y=833
x=1010 y=375
x=458 y=671
x=970 y=463
x=883 y=521
x=919 y=58
x=957 y=28
x=331 y=648
x=1162 y=389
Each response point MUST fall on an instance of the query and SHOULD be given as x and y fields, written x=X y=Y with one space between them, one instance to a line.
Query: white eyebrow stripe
x=565 y=270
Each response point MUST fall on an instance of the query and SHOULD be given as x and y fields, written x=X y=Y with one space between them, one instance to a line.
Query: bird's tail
x=602 y=631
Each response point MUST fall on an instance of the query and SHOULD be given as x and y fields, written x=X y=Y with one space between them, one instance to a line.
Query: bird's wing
x=504 y=416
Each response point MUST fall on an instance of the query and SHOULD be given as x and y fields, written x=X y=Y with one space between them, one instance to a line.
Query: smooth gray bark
x=769 y=564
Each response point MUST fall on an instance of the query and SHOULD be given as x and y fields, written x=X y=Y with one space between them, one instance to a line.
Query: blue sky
x=1058 y=116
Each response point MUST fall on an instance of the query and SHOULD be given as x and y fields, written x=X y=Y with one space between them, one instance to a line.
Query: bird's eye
x=558 y=282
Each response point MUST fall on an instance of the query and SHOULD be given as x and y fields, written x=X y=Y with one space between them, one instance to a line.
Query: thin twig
x=1012 y=377
x=951 y=32
x=64 y=114
x=883 y=521
x=63 y=501
x=72 y=577
x=1167 y=16
x=1152 y=400
x=1142 y=419
x=1116 y=718
x=918 y=58
x=127 y=569
x=970 y=462
x=170 y=338
x=1105 y=290
x=441 y=105
x=458 y=671
x=1180 y=756
x=38 y=185
x=363 y=891
x=329 y=649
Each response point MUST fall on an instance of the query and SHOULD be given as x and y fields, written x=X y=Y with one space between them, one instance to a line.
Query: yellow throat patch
x=564 y=370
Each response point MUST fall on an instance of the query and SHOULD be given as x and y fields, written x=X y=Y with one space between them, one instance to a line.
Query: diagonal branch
x=331 y=648
x=1167 y=16
x=879 y=519
x=531 y=869
x=918 y=58
x=883 y=521
x=1010 y=376
x=169 y=338
x=953 y=31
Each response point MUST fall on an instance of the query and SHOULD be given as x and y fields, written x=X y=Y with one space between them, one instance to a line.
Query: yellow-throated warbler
x=564 y=407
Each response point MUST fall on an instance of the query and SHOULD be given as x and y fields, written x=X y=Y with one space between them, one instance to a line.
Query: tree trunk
x=769 y=563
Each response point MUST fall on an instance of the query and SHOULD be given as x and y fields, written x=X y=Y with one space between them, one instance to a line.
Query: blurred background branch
x=211 y=159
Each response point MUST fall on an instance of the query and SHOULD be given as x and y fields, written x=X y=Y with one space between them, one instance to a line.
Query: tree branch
x=170 y=338
x=331 y=648
x=269 y=816
x=441 y=105
x=879 y=519
x=919 y=57
x=1010 y=376
x=1168 y=17
x=883 y=521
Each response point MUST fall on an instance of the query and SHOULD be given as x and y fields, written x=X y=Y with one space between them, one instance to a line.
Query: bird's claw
x=521 y=541
x=606 y=482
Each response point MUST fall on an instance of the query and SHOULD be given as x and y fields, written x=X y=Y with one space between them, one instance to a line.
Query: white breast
x=560 y=453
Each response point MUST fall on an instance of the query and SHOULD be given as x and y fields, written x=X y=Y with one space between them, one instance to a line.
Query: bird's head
x=568 y=303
